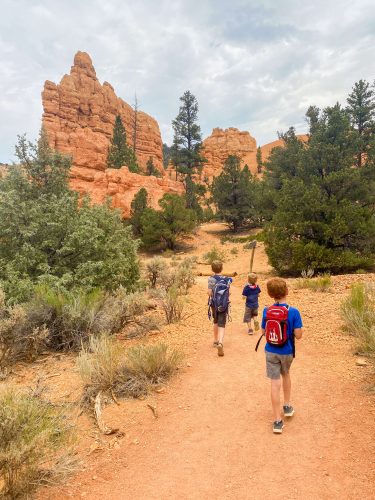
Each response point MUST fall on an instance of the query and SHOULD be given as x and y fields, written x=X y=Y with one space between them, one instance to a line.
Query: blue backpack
x=220 y=295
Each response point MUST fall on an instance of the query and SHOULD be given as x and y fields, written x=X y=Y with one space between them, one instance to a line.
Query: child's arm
x=298 y=333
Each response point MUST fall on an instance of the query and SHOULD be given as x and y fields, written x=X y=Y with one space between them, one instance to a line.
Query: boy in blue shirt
x=280 y=357
x=251 y=294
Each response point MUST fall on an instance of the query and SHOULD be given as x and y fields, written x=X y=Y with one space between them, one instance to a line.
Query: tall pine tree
x=361 y=109
x=119 y=153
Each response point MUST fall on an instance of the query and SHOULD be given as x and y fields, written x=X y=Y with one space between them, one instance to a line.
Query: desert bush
x=156 y=363
x=35 y=441
x=142 y=327
x=214 y=254
x=320 y=284
x=358 y=312
x=234 y=251
x=105 y=366
x=18 y=339
x=172 y=304
x=307 y=273
x=156 y=267
x=71 y=317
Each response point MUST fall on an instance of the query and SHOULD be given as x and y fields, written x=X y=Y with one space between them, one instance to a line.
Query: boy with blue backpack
x=218 y=303
x=281 y=324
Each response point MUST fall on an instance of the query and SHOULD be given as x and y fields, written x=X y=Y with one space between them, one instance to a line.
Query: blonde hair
x=252 y=278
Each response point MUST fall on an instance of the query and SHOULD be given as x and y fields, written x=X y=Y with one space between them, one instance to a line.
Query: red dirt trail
x=213 y=437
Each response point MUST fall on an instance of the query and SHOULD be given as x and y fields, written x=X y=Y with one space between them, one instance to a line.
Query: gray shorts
x=220 y=318
x=278 y=364
x=250 y=312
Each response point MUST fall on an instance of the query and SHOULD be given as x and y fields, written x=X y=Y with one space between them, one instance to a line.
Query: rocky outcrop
x=267 y=148
x=79 y=114
x=222 y=143
x=121 y=185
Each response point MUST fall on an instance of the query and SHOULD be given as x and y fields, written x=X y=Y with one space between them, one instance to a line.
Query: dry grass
x=105 y=366
x=214 y=254
x=172 y=304
x=358 y=311
x=320 y=284
x=35 y=444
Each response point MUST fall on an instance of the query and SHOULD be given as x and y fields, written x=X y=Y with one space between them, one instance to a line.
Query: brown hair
x=217 y=266
x=277 y=288
x=252 y=278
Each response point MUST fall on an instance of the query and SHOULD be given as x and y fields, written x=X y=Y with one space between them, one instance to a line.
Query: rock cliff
x=222 y=143
x=79 y=114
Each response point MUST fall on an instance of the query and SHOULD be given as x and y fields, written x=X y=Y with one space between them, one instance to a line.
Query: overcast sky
x=255 y=65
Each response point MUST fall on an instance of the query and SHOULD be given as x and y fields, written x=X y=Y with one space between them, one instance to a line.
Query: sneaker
x=220 y=350
x=288 y=411
x=278 y=426
x=250 y=331
x=256 y=325
x=215 y=344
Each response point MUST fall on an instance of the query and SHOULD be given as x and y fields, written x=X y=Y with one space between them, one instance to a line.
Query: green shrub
x=214 y=254
x=358 y=311
x=172 y=304
x=319 y=284
x=234 y=251
x=35 y=442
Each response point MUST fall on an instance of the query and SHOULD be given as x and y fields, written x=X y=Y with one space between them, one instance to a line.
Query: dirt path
x=213 y=437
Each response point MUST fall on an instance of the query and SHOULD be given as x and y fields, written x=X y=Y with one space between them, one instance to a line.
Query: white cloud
x=252 y=64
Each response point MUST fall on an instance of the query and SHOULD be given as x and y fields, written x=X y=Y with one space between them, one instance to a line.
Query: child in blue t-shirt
x=280 y=358
x=251 y=294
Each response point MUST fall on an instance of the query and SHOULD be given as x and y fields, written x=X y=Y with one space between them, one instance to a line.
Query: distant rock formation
x=79 y=114
x=267 y=148
x=222 y=143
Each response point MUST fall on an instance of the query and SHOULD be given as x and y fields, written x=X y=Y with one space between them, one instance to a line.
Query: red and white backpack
x=276 y=330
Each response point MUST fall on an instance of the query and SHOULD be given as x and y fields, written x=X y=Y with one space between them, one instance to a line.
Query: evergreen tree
x=169 y=224
x=137 y=208
x=259 y=160
x=151 y=169
x=187 y=136
x=312 y=118
x=119 y=153
x=49 y=235
x=361 y=108
x=323 y=213
x=167 y=153
x=232 y=193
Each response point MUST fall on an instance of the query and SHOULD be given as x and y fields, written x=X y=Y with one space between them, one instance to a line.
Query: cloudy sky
x=255 y=65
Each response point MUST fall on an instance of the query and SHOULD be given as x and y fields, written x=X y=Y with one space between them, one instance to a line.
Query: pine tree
x=151 y=169
x=361 y=108
x=232 y=194
x=259 y=160
x=119 y=153
x=137 y=208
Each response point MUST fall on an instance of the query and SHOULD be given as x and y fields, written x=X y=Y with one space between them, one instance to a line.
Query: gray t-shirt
x=213 y=279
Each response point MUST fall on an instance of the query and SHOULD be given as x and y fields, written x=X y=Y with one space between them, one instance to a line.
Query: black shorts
x=220 y=318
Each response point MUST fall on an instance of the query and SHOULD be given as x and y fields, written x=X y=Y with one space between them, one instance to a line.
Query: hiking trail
x=213 y=435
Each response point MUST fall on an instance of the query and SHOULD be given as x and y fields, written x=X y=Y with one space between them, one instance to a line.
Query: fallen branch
x=231 y=275
x=153 y=409
x=98 y=416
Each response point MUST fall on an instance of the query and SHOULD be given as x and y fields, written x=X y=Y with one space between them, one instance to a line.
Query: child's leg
x=221 y=332
x=216 y=332
x=287 y=386
x=275 y=398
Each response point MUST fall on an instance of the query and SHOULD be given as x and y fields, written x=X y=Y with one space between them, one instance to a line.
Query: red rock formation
x=222 y=143
x=121 y=185
x=267 y=148
x=79 y=114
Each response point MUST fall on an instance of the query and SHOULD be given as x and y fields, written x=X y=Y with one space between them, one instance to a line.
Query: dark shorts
x=278 y=364
x=220 y=318
x=250 y=312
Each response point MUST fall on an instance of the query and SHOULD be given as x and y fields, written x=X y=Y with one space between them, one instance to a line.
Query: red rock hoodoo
x=79 y=114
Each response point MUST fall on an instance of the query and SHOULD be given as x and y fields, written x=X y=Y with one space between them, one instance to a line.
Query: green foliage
x=233 y=192
x=48 y=236
x=137 y=208
x=156 y=363
x=156 y=267
x=214 y=254
x=187 y=143
x=169 y=224
x=320 y=284
x=119 y=153
x=167 y=151
x=259 y=160
x=322 y=208
x=151 y=169
x=171 y=302
x=358 y=311
x=35 y=442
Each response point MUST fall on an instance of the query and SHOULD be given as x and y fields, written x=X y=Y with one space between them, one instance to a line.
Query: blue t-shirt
x=294 y=321
x=251 y=292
